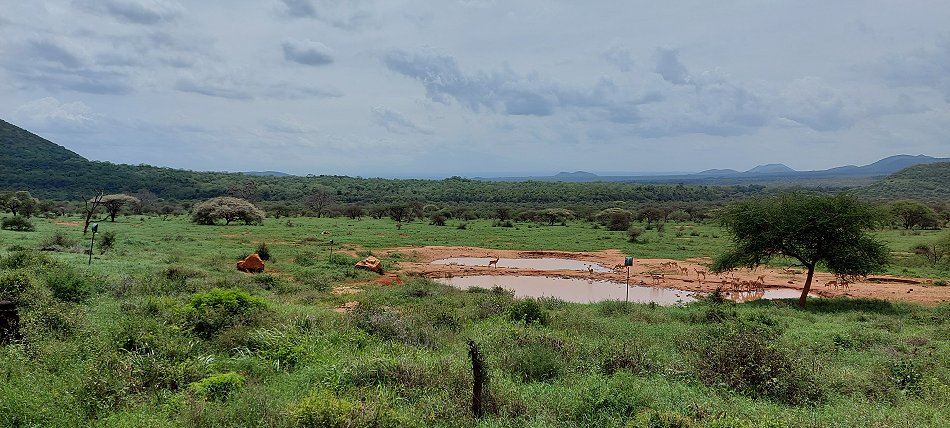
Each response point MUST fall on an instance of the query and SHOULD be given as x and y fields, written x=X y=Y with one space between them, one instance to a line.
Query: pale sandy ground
x=417 y=262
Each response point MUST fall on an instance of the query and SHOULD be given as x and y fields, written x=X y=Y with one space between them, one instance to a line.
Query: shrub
x=321 y=408
x=68 y=284
x=263 y=252
x=13 y=284
x=106 y=241
x=23 y=258
x=528 y=311
x=217 y=386
x=59 y=241
x=18 y=223
x=634 y=233
x=220 y=308
x=743 y=356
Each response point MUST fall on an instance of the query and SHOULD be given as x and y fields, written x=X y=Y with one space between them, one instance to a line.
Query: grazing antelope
x=700 y=275
x=832 y=283
x=493 y=263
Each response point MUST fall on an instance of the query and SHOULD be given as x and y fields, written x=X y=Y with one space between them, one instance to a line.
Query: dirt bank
x=666 y=273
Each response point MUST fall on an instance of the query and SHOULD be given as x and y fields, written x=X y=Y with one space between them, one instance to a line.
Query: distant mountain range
x=849 y=175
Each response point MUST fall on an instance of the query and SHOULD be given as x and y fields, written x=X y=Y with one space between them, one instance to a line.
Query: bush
x=217 y=386
x=528 y=311
x=321 y=408
x=68 y=284
x=220 y=308
x=59 y=241
x=744 y=357
x=263 y=252
x=634 y=233
x=18 y=223
x=23 y=259
x=106 y=241
x=13 y=284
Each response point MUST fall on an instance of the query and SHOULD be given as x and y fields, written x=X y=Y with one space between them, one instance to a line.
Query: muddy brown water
x=545 y=263
x=589 y=291
x=571 y=289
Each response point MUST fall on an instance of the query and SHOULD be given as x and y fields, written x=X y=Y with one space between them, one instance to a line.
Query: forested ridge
x=49 y=171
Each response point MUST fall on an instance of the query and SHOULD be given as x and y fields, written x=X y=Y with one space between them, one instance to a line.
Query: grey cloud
x=58 y=64
x=50 y=114
x=212 y=89
x=668 y=65
x=307 y=52
x=396 y=122
x=222 y=85
x=145 y=12
x=620 y=57
x=299 y=8
x=926 y=68
x=810 y=103
x=347 y=15
x=443 y=79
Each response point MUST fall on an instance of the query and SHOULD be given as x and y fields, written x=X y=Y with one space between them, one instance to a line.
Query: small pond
x=587 y=291
x=537 y=264
x=571 y=289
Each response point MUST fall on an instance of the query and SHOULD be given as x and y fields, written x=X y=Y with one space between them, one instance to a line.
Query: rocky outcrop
x=371 y=263
x=251 y=263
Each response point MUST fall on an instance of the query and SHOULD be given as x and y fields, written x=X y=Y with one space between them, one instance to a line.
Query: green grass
x=126 y=351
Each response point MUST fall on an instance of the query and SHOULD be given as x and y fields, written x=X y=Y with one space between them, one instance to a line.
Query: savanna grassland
x=161 y=330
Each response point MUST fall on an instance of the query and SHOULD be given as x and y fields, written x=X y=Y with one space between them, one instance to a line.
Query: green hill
x=930 y=183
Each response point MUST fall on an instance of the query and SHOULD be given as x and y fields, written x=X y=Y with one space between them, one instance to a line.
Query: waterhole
x=537 y=264
x=571 y=289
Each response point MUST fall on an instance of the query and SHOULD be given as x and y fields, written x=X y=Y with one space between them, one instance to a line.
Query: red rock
x=371 y=263
x=251 y=263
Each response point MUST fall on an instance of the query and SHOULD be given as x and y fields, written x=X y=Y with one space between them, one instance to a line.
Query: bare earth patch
x=643 y=272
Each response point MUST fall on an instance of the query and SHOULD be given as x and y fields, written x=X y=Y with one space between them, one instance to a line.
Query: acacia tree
x=812 y=229
x=913 y=213
x=321 y=199
x=114 y=203
x=19 y=203
x=227 y=208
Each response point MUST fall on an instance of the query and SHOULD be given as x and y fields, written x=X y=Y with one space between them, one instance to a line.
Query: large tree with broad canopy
x=810 y=228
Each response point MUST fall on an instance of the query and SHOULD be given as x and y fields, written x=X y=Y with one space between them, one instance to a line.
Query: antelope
x=700 y=275
x=656 y=278
x=493 y=263
x=832 y=283
x=761 y=279
x=685 y=271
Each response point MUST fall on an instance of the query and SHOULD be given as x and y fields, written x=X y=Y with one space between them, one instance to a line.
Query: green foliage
x=106 y=241
x=23 y=259
x=228 y=209
x=14 y=283
x=217 y=386
x=634 y=234
x=745 y=357
x=114 y=203
x=68 y=283
x=528 y=311
x=910 y=214
x=321 y=408
x=60 y=241
x=809 y=228
x=263 y=251
x=615 y=218
x=17 y=223
x=221 y=308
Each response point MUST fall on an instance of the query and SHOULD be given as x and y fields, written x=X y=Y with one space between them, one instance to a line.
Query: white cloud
x=51 y=114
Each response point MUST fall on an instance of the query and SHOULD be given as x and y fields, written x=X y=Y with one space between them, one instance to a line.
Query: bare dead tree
x=89 y=208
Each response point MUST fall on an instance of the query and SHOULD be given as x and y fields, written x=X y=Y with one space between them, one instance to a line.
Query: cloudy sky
x=479 y=87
